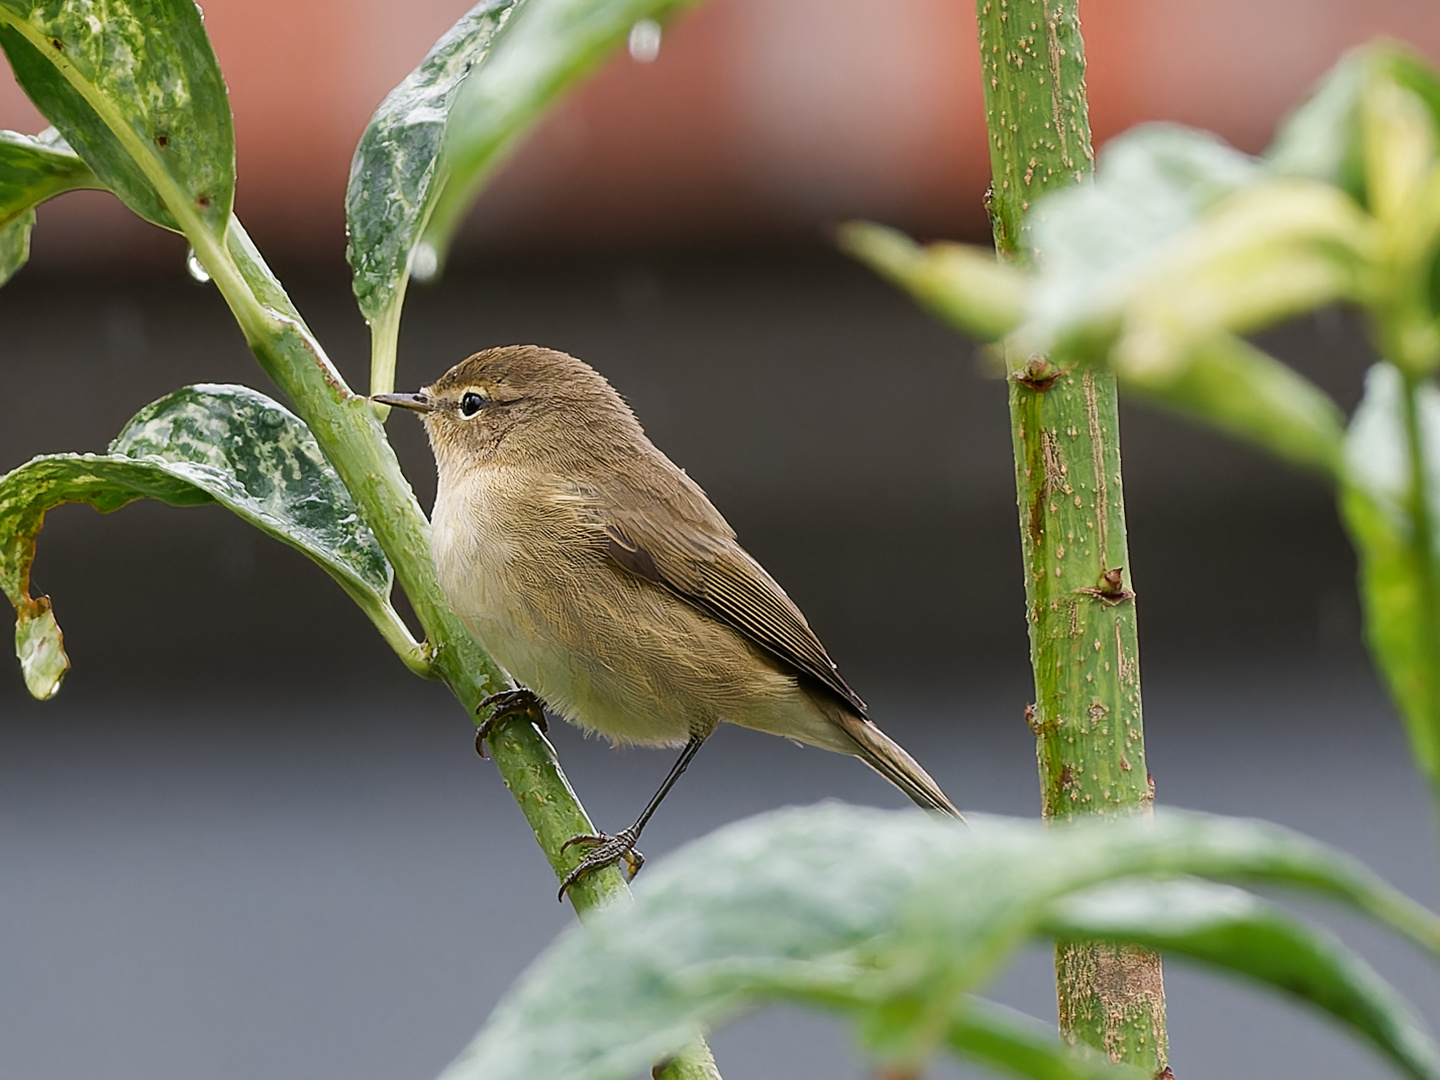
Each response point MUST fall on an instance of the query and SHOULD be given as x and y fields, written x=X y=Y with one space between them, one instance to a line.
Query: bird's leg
x=505 y=705
x=607 y=849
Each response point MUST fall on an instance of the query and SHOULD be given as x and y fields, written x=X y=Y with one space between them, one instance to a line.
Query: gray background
x=244 y=842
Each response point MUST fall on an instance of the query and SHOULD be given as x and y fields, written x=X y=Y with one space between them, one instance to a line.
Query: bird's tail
x=889 y=759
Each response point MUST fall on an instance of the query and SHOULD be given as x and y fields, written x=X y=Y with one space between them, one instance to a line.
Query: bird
x=599 y=575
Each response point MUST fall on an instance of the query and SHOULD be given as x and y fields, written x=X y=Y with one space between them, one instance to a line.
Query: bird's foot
x=607 y=849
x=504 y=706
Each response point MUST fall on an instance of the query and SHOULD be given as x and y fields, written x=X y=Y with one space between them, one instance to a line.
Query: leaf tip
x=40 y=647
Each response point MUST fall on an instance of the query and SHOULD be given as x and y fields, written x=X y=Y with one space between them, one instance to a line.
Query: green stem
x=1081 y=611
x=354 y=440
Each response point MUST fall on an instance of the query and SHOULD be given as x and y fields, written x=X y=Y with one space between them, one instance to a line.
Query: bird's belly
x=611 y=652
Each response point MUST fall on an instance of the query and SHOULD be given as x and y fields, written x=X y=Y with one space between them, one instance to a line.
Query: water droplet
x=196 y=267
x=644 y=41
x=424 y=263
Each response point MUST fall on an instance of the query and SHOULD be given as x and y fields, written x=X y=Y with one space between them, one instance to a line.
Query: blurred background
x=245 y=842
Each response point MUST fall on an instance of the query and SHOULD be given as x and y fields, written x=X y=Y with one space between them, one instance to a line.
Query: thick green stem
x=1081 y=610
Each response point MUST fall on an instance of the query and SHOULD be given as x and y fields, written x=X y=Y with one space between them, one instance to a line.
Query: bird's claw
x=504 y=706
x=607 y=849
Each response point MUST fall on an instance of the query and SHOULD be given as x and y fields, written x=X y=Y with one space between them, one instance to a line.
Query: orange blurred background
x=760 y=118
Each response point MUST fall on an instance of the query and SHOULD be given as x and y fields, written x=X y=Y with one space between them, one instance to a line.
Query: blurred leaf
x=1230 y=384
x=966 y=286
x=1094 y=241
x=1399 y=573
x=1180 y=236
x=890 y=917
x=33 y=168
x=544 y=47
x=135 y=89
x=201 y=444
x=1020 y=1045
x=1241 y=934
x=394 y=177
x=1323 y=139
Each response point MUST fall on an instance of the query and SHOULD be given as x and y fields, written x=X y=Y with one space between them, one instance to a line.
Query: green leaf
x=1241 y=934
x=135 y=89
x=201 y=444
x=966 y=286
x=33 y=168
x=892 y=918
x=1399 y=565
x=544 y=47
x=396 y=173
x=441 y=132
x=15 y=244
x=1323 y=139
x=1020 y=1045
x=1229 y=383
x=1181 y=236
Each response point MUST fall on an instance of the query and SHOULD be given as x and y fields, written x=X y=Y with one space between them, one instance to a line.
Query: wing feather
x=695 y=557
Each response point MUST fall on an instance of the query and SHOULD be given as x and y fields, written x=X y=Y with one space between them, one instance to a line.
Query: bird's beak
x=420 y=402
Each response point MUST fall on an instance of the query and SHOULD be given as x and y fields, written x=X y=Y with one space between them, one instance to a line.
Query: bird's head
x=520 y=403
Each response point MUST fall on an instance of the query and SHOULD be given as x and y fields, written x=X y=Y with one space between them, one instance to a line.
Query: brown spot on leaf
x=203 y=201
x=162 y=140
x=57 y=44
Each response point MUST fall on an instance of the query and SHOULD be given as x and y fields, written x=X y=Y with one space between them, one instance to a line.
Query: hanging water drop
x=425 y=262
x=644 y=41
x=196 y=267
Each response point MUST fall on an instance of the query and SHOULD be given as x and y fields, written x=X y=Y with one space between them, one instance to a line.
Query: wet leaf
x=893 y=919
x=396 y=174
x=544 y=47
x=33 y=168
x=440 y=133
x=201 y=444
x=134 y=87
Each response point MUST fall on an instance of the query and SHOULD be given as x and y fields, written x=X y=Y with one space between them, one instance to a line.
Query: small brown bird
x=600 y=576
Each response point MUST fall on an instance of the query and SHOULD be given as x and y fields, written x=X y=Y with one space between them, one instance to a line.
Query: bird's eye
x=471 y=403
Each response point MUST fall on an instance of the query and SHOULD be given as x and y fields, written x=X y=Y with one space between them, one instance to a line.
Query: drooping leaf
x=1399 y=576
x=891 y=918
x=33 y=168
x=544 y=47
x=201 y=444
x=134 y=87
x=440 y=133
x=395 y=175
x=1239 y=933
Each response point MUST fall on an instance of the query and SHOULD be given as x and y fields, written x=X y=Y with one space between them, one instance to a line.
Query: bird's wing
x=694 y=555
